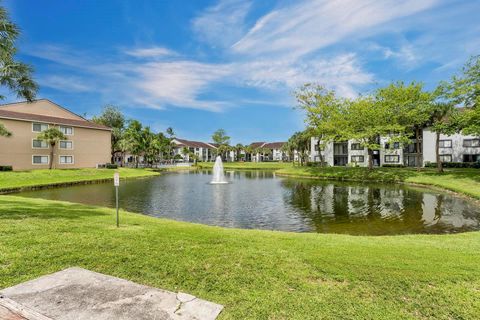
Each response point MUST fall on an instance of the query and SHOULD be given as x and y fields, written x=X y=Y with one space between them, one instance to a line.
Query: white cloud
x=222 y=24
x=152 y=52
x=308 y=26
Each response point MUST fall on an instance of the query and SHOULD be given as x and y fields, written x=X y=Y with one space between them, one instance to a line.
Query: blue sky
x=202 y=65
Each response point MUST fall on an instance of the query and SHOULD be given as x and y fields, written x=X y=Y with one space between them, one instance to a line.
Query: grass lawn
x=465 y=181
x=20 y=179
x=254 y=274
x=248 y=165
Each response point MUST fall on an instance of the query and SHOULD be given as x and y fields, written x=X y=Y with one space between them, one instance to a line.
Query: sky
x=201 y=65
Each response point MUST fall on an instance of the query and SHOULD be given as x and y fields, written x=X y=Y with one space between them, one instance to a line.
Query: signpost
x=116 y=183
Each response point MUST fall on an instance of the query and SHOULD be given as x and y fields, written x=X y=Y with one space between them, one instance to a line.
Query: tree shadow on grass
x=361 y=174
x=18 y=209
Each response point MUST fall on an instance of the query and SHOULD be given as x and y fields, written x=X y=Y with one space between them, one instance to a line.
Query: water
x=261 y=200
x=218 y=174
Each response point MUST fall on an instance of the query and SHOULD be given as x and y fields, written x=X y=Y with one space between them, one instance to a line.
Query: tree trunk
x=52 y=147
x=320 y=155
x=370 y=159
x=417 y=138
x=437 y=152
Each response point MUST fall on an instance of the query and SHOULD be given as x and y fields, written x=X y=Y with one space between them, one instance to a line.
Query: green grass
x=254 y=274
x=465 y=181
x=22 y=179
x=248 y=165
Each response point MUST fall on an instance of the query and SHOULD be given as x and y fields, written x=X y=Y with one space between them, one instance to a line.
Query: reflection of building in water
x=362 y=207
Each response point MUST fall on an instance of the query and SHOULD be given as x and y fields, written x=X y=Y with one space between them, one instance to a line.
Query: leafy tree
x=321 y=107
x=133 y=137
x=4 y=132
x=112 y=117
x=364 y=120
x=289 y=149
x=151 y=146
x=300 y=142
x=222 y=140
x=464 y=90
x=238 y=149
x=410 y=107
x=14 y=75
x=51 y=136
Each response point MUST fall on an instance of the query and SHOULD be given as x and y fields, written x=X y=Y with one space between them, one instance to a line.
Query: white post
x=116 y=183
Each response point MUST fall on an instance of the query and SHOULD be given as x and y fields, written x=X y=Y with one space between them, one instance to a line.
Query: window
x=445 y=158
x=66 y=130
x=358 y=159
x=445 y=143
x=39 y=144
x=392 y=159
x=40 y=159
x=66 y=159
x=39 y=127
x=66 y=144
x=471 y=157
x=356 y=146
x=471 y=143
x=396 y=145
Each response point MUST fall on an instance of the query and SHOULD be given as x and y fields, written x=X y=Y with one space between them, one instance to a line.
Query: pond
x=262 y=200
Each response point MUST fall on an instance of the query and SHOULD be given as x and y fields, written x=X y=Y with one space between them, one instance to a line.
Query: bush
x=454 y=165
x=393 y=165
x=111 y=166
x=6 y=168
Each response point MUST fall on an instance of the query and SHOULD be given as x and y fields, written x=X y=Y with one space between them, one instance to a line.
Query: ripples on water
x=260 y=200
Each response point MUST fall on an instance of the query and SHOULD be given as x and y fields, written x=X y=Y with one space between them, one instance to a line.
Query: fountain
x=218 y=176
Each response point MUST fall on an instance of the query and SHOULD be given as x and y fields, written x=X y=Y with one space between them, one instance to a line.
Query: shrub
x=390 y=165
x=454 y=165
x=111 y=166
x=6 y=168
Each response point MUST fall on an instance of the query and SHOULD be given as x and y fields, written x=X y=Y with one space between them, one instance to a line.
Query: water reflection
x=259 y=199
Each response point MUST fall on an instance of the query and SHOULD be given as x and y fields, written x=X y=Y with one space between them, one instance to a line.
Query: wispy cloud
x=222 y=24
x=308 y=26
x=151 y=52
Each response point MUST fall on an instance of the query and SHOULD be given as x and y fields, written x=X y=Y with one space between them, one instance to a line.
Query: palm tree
x=4 y=132
x=238 y=149
x=51 y=136
x=14 y=75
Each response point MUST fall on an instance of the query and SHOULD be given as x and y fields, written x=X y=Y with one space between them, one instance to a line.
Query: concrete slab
x=77 y=294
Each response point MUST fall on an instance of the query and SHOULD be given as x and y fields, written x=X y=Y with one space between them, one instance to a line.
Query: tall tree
x=112 y=117
x=364 y=120
x=220 y=138
x=51 y=136
x=238 y=149
x=134 y=139
x=14 y=75
x=321 y=107
x=410 y=107
x=300 y=142
x=464 y=90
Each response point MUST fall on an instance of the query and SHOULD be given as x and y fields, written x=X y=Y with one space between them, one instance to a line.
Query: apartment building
x=454 y=148
x=275 y=152
x=204 y=151
x=87 y=145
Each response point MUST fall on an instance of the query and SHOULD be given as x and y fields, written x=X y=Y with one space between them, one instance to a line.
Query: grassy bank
x=465 y=181
x=24 y=179
x=254 y=274
x=248 y=165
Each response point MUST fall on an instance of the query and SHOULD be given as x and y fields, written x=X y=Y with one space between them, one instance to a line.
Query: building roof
x=257 y=144
x=14 y=104
x=274 y=145
x=5 y=114
x=194 y=144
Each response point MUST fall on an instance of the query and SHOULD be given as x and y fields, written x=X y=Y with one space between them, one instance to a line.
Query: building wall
x=90 y=147
x=457 y=150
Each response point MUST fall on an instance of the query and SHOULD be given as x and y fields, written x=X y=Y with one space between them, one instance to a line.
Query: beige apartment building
x=87 y=144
